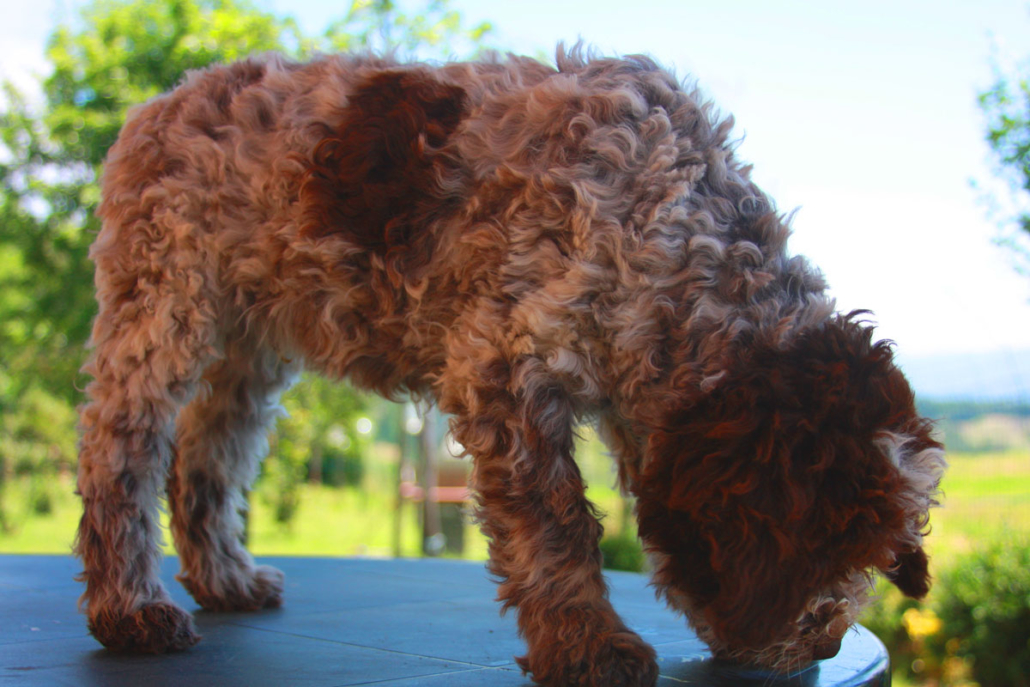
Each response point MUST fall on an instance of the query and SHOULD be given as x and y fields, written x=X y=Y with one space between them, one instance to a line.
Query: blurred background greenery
x=346 y=470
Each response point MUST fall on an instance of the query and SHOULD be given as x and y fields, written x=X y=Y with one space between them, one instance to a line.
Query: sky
x=862 y=117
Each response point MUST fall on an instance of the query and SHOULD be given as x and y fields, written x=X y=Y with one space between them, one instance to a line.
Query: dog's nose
x=827 y=649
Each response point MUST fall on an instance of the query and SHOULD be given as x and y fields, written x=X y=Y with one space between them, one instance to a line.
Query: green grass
x=985 y=496
x=30 y=532
x=329 y=522
x=345 y=521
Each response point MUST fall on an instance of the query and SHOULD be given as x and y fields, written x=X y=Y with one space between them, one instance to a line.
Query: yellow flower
x=920 y=624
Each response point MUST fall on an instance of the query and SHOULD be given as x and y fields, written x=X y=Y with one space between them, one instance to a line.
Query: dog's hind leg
x=155 y=332
x=517 y=423
x=222 y=436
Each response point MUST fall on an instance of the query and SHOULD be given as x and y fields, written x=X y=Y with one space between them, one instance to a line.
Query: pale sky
x=861 y=115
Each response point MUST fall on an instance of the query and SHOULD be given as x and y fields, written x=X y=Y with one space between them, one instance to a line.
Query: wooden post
x=245 y=516
x=402 y=462
x=432 y=543
x=315 y=463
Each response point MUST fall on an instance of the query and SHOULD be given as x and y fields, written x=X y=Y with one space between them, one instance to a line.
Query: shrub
x=42 y=502
x=901 y=624
x=984 y=606
x=342 y=467
x=622 y=552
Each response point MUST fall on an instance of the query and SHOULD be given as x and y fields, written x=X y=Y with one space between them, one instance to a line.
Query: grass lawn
x=329 y=521
x=28 y=531
x=986 y=495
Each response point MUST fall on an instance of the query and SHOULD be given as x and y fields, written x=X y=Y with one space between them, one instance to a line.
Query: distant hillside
x=995 y=376
x=971 y=410
x=980 y=427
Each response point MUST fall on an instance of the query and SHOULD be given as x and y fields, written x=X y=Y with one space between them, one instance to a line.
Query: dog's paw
x=156 y=628
x=267 y=587
x=616 y=659
x=261 y=588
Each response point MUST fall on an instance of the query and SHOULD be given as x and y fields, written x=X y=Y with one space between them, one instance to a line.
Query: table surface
x=356 y=622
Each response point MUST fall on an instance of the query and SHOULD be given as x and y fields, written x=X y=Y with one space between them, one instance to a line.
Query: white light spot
x=337 y=437
x=413 y=425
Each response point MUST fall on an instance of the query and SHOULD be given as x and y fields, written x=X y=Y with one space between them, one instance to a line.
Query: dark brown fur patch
x=376 y=180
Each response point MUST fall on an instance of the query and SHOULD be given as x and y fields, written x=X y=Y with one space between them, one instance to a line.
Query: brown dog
x=529 y=247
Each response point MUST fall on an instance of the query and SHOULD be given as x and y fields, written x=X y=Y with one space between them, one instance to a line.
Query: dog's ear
x=385 y=173
x=911 y=574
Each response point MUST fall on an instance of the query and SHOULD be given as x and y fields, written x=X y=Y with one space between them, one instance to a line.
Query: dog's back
x=390 y=196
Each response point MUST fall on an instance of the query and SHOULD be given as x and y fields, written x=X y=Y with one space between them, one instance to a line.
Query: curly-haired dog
x=530 y=247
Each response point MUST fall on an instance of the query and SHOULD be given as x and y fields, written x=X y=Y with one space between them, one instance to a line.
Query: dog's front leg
x=544 y=534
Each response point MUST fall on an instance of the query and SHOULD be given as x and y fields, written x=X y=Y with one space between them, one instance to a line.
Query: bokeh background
x=896 y=133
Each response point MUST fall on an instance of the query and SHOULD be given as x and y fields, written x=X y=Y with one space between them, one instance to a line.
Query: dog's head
x=768 y=502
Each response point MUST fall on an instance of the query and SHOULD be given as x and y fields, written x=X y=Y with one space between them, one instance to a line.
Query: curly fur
x=529 y=247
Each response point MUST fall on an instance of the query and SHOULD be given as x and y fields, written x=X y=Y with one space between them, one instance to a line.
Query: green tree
x=120 y=53
x=436 y=32
x=1006 y=107
x=316 y=441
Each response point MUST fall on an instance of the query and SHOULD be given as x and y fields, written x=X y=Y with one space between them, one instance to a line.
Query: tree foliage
x=1006 y=107
x=120 y=53
x=436 y=32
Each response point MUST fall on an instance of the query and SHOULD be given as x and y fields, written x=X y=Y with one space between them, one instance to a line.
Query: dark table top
x=355 y=622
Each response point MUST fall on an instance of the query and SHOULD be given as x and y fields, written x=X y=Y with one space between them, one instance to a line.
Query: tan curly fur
x=530 y=247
